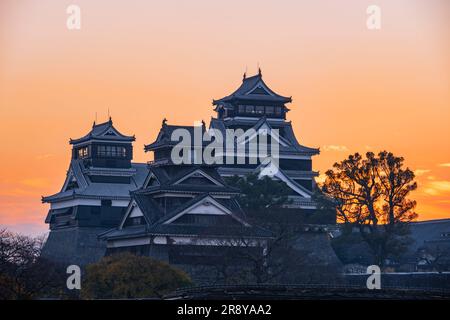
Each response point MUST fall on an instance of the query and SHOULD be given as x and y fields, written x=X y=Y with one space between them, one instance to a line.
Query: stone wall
x=78 y=246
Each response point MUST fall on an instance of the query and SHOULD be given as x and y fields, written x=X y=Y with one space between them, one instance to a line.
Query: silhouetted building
x=94 y=195
x=256 y=110
x=185 y=215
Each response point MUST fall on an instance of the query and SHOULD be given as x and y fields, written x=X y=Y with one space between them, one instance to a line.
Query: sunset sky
x=353 y=89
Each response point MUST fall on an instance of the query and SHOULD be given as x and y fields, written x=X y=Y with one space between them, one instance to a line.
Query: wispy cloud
x=446 y=165
x=421 y=172
x=336 y=148
x=437 y=187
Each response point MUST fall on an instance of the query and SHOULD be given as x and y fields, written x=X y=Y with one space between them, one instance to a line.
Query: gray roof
x=87 y=189
x=285 y=131
x=164 y=137
x=248 y=90
x=103 y=131
x=427 y=232
x=156 y=219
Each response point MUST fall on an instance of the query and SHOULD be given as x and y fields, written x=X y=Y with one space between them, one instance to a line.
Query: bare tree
x=24 y=274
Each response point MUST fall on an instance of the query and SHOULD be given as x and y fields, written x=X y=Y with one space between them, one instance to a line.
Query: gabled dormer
x=104 y=146
x=252 y=99
x=198 y=177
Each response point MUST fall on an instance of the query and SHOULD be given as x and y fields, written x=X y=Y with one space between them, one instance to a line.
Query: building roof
x=176 y=178
x=428 y=232
x=88 y=189
x=288 y=142
x=253 y=89
x=103 y=131
x=164 y=137
x=168 y=175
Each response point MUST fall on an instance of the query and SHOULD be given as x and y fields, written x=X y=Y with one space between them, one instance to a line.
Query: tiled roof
x=245 y=92
x=285 y=131
x=100 y=132
x=164 y=137
x=87 y=189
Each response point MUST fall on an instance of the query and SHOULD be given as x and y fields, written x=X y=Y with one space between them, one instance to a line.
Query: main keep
x=179 y=213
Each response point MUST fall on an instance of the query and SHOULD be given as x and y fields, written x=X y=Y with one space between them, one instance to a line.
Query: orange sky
x=353 y=89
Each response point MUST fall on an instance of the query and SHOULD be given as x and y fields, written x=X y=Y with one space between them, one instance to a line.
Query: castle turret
x=94 y=195
x=252 y=99
x=104 y=147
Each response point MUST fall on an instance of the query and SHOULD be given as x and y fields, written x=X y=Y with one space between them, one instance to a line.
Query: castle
x=180 y=213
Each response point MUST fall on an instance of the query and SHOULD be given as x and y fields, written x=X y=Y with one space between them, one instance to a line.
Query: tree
x=24 y=273
x=371 y=194
x=125 y=275
x=260 y=195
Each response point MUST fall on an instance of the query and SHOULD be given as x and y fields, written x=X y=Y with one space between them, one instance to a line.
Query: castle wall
x=78 y=246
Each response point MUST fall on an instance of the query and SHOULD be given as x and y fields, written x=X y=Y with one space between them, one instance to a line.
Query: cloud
x=421 y=172
x=446 y=165
x=437 y=187
x=336 y=148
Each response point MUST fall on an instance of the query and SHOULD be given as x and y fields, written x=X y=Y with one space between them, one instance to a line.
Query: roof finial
x=259 y=70
x=245 y=73
x=164 y=122
x=95 y=120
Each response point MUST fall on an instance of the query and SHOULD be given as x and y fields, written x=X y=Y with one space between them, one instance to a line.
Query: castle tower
x=254 y=106
x=94 y=195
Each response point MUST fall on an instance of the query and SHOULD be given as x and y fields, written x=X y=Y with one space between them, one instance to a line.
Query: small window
x=134 y=221
x=278 y=111
x=259 y=109
x=270 y=110
x=83 y=153
x=241 y=108
x=111 y=151
x=249 y=109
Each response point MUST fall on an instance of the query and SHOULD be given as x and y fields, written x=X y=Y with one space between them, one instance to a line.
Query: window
x=134 y=221
x=83 y=152
x=278 y=111
x=259 y=109
x=249 y=109
x=111 y=151
x=270 y=110
x=241 y=108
